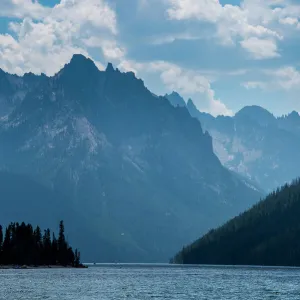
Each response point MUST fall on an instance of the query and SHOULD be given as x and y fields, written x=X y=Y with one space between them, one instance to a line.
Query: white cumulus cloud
x=189 y=83
x=261 y=48
x=23 y=8
x=284 y=78
x=46 y=38
x=253 y=23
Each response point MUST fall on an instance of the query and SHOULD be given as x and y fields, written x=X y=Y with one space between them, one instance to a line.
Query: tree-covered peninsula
x=267 y=234
x=22 y=245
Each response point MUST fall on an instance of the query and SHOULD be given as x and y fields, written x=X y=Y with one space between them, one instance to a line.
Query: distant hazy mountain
x=141 y=175
x=255 y=143
x=267 y=234
x=176 y=100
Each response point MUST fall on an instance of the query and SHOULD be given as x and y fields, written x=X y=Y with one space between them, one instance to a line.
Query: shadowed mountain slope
x=140 y=174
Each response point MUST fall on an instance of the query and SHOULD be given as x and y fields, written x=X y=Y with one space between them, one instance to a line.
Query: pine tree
x=1 y=237
x=62 y=245
x=71 y=257
x=47 y=247
x=13 y=243
x=38 y=246
x=24 y=246
x=1 y=242
x=6 y=247
x=21 y=247
x=54 y=250
x=61 y=235
x=77 y=259
x=30 y=240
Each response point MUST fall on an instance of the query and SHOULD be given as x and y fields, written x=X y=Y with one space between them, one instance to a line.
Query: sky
x=223 y=54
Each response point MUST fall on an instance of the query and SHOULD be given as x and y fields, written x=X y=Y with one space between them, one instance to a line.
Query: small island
x=21 y=246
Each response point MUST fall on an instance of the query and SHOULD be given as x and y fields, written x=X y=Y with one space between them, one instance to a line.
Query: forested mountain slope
x=267 y=234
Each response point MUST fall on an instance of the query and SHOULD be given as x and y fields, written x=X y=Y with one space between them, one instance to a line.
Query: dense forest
x=267 y=234
x=20 y=245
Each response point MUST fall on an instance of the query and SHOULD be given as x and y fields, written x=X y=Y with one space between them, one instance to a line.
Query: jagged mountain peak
x=255 y=143
x=175 y=99
x=31 y=78
x=111 y=70
x=79 y=65
x=192 y=108
x=2 y=73
x=294 y=115
x=29 y=74
x=191 y=104
x=121 y=153
x=175 y=94
x=110 y=67
x=80 y=59
x=190 y=101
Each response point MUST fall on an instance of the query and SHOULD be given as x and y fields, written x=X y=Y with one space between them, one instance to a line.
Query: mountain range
x=135 y=176
x=253 y=143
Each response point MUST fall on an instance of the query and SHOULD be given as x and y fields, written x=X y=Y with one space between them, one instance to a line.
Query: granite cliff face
x=141 y=175
x=255 y=144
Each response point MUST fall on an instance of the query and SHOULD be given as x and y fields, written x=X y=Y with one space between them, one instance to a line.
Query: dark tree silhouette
x=6 y=247
x=38 y=249
x=54 y=251
x=1 y=242
x=267 y=234
x=77 y=258
x=24 y=246
x=47 y=247
x=62 y=245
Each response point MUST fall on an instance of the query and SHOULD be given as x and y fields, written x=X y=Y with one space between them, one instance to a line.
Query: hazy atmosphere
x=149 y=149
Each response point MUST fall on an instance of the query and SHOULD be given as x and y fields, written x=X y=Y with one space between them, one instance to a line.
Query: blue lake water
x=117 y=282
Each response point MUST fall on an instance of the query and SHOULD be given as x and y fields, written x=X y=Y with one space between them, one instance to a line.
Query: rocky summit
x=139 y=175
x=254 y=143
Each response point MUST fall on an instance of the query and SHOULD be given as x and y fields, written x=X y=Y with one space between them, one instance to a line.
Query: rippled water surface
x=151 y=282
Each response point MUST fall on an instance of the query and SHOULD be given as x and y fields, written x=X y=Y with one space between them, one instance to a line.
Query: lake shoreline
x=25 y=267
